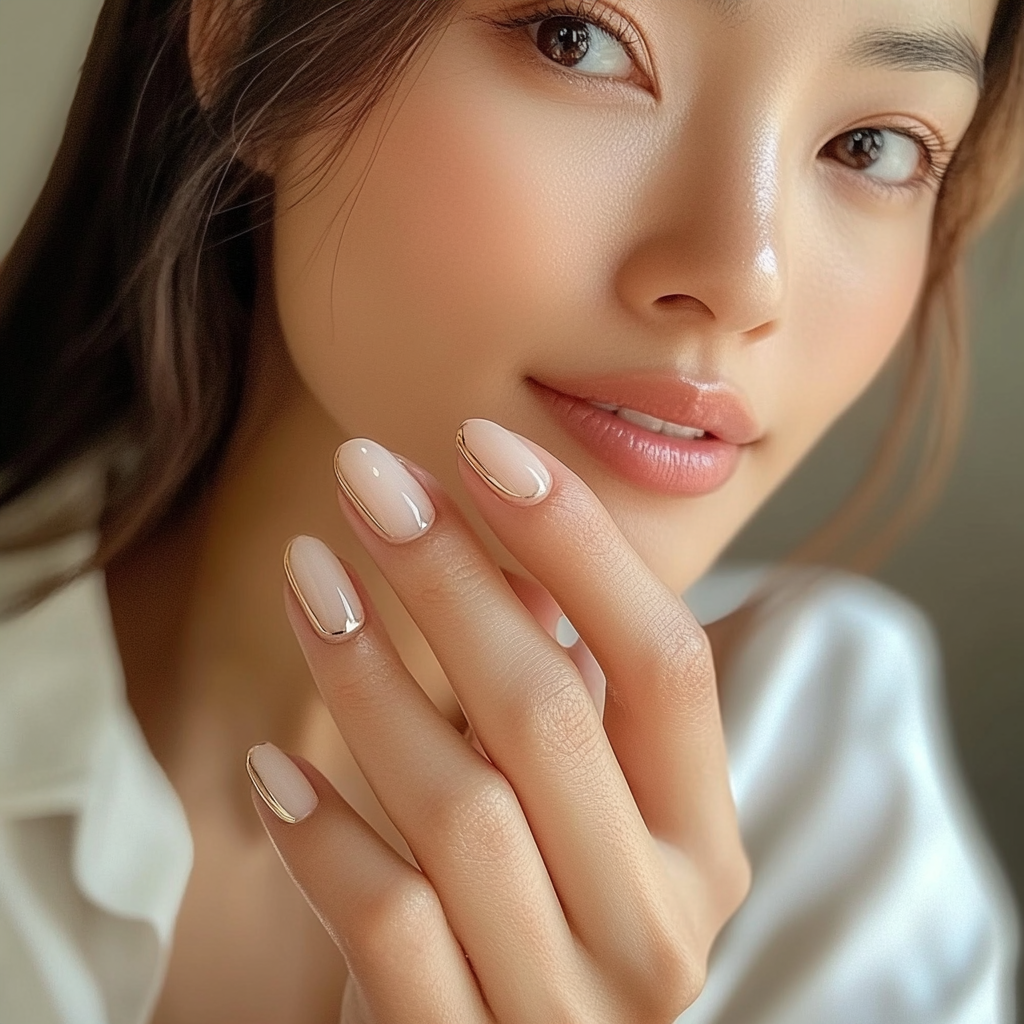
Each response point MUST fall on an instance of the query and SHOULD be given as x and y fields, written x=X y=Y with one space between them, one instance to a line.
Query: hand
x=574 y=874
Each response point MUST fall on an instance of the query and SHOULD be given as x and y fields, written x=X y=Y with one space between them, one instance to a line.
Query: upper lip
x=711 y=406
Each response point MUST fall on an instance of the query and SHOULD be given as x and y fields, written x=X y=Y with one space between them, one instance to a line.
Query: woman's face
x=720 y=219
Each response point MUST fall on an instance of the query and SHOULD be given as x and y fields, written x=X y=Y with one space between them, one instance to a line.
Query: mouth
x=651 y=423
x=663 y=433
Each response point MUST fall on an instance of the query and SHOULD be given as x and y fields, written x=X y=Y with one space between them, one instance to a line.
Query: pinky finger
x=383 y=914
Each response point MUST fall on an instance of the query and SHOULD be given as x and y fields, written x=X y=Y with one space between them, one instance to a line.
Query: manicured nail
x=503 y=462
x=385 y=492
x=277 y=778
x=323 y=588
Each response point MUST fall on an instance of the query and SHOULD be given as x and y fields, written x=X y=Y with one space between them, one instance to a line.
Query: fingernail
x=565 y=632
x=277 y=778
x=389 y=498
x=503 y=462
x=323 y=588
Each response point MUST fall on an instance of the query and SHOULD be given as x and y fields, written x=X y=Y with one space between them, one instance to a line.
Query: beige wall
x=965 y=566
x=42 y=43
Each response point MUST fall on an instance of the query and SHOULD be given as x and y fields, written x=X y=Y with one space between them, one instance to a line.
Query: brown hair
x=126 y=301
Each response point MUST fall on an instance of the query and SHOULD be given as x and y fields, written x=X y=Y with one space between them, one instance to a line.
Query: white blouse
x=875 y=900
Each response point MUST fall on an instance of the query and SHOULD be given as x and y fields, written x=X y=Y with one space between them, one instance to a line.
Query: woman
x=562 y=292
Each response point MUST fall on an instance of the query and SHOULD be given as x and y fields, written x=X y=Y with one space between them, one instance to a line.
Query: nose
x=708 y=243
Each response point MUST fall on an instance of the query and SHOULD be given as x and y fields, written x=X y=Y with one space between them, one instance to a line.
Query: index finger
x=662 y=716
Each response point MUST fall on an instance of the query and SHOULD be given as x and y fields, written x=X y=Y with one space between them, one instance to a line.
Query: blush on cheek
x=486 y=211
x=883 y=299
x=439 y=242
x=478 y=227
x=449 y=203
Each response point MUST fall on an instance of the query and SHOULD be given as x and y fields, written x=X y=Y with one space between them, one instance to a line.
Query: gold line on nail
x=268 y=797
x=352 y=625
x=467 y=453
x=355 y=499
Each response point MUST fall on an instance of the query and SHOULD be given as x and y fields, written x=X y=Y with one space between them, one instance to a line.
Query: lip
x=655 y=462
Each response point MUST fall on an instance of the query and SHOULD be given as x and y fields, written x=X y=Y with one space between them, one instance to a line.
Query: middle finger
x=521 y=693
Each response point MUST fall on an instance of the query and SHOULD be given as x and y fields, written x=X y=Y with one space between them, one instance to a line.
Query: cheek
x=852 y=296
x=445 y=265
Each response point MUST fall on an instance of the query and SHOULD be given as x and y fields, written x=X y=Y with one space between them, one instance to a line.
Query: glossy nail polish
x=386 y=494
x=323 y=588
x=503 y=462
x=278 y=780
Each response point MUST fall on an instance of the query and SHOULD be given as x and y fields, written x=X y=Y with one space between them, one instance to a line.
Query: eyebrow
x=938 y=49
x=947 y=48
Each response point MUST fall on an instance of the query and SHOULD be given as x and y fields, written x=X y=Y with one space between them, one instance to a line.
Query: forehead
x=832 y=17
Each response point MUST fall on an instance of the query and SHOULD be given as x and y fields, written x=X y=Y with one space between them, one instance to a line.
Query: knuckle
x=395 y=916
x=735 y=879
x=681 y=667
x=677 y=980
x=726 y=875
x=558 y=721
x=482 y=818
x=465 y=578
x=664 y=973
x=683 y=642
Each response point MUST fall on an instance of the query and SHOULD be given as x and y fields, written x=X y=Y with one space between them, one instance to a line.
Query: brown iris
x=859 y=149
x=565 y=40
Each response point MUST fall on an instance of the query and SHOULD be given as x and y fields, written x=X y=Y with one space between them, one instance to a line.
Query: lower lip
x=664 y=465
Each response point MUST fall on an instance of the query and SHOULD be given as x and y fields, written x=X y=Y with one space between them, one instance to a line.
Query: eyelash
x=937 y=154
x=589 y=11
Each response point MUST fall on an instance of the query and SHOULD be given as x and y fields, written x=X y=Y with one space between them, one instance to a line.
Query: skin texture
x=502 y=219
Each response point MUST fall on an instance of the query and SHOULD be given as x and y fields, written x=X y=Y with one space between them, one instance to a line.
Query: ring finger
x=458 y=814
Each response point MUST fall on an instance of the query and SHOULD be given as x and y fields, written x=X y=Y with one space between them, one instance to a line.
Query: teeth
x=651 y=423
x=687 y=433
x=641 y=419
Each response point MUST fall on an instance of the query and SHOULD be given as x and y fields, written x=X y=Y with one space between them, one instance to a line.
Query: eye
x=892 y=157
x=582 y=46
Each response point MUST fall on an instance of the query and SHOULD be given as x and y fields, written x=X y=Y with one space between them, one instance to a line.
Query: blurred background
x=964 y=566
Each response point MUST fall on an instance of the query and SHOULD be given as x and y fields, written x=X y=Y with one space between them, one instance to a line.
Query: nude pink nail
x=323 y=588
x=386 y=494
x=503 y=462
x=280 y=782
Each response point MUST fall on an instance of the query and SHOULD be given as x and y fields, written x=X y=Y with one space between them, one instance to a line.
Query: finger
x=537 y=601
x=591 y=673
x=456 y=812
x=662 y=715
x=522 y=694
x=379 y=909
x=542 y=606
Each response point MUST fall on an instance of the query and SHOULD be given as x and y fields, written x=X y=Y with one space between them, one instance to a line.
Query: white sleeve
x=875 y=900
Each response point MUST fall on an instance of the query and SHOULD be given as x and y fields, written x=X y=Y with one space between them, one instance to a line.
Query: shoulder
x=840 y=646
x=867 y=856
x=839 y=658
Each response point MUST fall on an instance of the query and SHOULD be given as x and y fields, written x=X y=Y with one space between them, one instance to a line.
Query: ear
x=216 y=31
